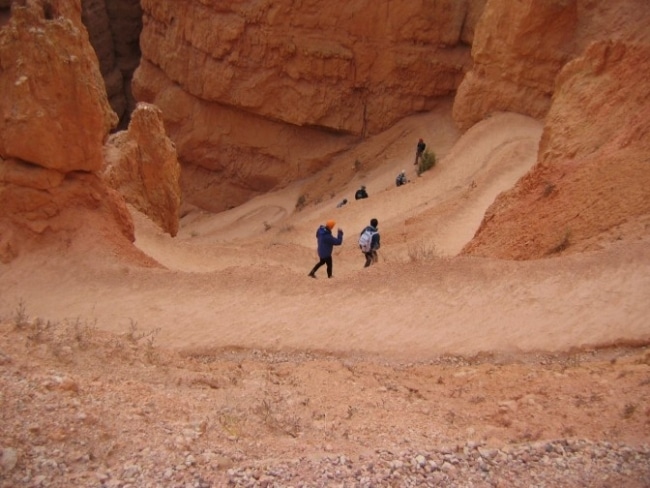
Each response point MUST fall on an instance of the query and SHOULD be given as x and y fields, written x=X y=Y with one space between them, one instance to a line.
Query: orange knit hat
x=330 y=224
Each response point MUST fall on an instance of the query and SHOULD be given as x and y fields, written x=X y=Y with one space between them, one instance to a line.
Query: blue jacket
x=374 y=244
x=326 y=241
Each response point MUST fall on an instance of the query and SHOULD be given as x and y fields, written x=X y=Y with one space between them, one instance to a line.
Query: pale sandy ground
x=261 y=376
x=238 y=279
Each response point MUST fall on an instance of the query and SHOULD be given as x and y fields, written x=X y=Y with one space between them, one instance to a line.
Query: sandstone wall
x=53 y=104
x=54 y=119
x=349 y=66
x=590 y=187
x=520 y=47
x=286 y=69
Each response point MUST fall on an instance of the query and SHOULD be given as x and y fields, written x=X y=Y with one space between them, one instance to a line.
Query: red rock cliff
x=232 y=77
x=54 y=119
x=521 y=46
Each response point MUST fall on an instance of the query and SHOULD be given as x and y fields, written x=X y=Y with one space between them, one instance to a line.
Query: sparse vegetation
x=548 y=188
x=427 y=161
x=563 y=243
x=421 y=251
x=358 y=165
x=21 y=319
x=84 y=332
x=267 y=226
x=629 y=410
x=277 y=421
x=301 y=202
x=230 y=423
x=38 y=328
x=287 y=228
x=135 y=336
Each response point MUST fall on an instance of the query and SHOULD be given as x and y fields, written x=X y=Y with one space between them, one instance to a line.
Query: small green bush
x=427 y=161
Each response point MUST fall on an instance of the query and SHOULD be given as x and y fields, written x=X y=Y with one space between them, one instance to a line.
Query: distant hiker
x=361 y=193
x=369 y=242
x=342 y=202
x=401 y=179
x=419 y=151
x=326 y=241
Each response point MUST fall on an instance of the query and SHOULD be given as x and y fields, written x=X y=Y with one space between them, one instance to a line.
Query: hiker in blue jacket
x=369 y=242
x=326 y=242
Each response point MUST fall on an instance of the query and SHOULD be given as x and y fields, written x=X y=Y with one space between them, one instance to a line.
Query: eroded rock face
x=141 y=164
x=53 y=109
x=286 y=69
x=347 y=66
x=40 y=207
x=54 y=119
x=592 y=177
x=520 y=47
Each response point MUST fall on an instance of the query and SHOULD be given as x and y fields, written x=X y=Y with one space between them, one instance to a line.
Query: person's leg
x=375 y=256
x=328 y=262
x=322 y=261
x=368 y=259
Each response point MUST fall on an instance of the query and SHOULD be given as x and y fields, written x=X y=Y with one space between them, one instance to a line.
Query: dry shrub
x=422 y=251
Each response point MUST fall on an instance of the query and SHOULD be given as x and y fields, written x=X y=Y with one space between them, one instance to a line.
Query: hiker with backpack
x=369 y=242
x=419 y=152
x=361 y=193
x=401 y=179
x=326 y=242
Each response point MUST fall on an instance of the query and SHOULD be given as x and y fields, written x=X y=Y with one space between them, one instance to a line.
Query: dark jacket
x=361 y=193
x=421 y=147
x=326 y=241
x=374 y=244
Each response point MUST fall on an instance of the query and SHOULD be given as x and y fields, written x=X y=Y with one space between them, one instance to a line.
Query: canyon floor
x=226 y=364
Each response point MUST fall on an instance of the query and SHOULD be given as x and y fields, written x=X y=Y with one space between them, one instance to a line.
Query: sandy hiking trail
x=239 y=279
x=228 y=366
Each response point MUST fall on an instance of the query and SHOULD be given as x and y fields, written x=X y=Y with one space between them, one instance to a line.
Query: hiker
x=326 y=241
x=401 y=179
x=369 y=242
x=341 y=203
x=361 y=193
x=419 y=151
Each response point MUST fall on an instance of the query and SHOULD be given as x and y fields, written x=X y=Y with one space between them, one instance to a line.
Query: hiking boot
x=311 y=275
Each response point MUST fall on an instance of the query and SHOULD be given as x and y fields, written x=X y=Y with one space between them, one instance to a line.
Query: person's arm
x=334 y=241
x=376 y=244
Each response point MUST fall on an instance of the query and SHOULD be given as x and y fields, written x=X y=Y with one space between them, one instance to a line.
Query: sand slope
x=238 y=279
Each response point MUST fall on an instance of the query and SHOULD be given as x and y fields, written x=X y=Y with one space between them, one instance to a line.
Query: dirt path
x=238 y=279
x=231 y=366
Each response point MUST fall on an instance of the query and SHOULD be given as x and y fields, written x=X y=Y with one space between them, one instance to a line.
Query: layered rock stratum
x=251 y=74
